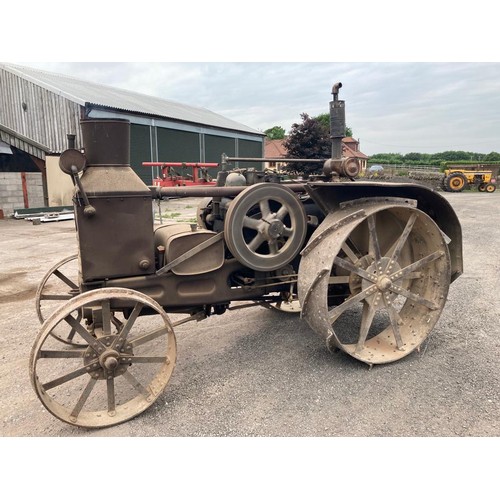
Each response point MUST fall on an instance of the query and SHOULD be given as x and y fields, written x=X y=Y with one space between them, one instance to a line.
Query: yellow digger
x=456 y=180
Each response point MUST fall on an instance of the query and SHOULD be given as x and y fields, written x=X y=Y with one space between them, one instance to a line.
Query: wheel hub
x=275 y=229
x=382 y=271
x=384 y=283
x=109 y=362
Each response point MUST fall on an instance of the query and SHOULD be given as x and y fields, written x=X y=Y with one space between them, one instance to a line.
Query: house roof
x=273 y=148
x=83 y=92
x=350 y=153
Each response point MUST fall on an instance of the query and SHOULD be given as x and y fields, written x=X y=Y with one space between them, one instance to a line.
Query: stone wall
x=34 y=183
x=11 y=191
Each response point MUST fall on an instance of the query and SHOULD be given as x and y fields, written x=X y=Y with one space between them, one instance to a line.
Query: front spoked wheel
x=128 y=361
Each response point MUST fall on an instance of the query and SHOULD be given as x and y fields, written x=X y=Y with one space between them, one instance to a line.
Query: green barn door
x=140 y=150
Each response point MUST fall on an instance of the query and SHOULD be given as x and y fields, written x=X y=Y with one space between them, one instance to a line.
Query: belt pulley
x=265 y=226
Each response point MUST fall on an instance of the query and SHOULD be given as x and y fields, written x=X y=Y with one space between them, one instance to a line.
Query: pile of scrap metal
x=45 y=214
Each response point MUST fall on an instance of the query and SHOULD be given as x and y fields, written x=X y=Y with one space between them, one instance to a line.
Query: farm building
x=38 y=110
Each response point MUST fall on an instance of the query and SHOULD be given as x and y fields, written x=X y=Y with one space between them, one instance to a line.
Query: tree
x=324 y=118
x=309 y=139
x=275 y=132
x=493 y=156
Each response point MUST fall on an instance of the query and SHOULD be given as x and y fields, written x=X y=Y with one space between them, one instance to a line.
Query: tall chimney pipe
x=337 y=122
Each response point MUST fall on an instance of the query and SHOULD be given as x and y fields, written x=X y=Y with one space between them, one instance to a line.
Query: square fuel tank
x=117 y=241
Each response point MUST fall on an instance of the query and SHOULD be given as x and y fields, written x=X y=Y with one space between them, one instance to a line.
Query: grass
x=171 y=215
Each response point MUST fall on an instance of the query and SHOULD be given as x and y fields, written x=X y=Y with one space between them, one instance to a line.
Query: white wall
x=59 y=185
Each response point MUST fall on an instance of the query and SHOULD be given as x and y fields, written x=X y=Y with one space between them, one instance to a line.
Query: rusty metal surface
x=106 y=142
x=215 y=192
x=395 y=268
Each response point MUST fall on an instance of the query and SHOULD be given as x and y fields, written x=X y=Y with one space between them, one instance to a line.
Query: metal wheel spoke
x=404 y=236
x=366 y=322
x=374 y=248
x=83 y=398
x=414 y=297
x=282 y=213
x=49 y=354
x=120 y=340
x=117 y=323
x=251 y=223
x=82 y=331
x=65 y=279
x=56 y=297
x=256 y=242
x=148 y=359
x=264 y=208
x=334 y=313
x=66 y=378
x=143 y=339
x=110 y=389
x=418 y=264
x=344 y=264
x=414 y=276
x=395 y=320
x=72 y=332
x=349 y=252
x=136 y=384
x=338 y=280
x=273 y=247
x=287 y=231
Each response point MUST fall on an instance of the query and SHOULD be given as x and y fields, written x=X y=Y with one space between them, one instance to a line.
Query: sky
x=417 y=77
x=397 y=107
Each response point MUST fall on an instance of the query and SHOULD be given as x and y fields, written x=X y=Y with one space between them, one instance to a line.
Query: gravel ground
x=259 y=372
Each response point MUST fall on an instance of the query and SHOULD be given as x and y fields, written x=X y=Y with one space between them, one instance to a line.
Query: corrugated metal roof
x=82 y=92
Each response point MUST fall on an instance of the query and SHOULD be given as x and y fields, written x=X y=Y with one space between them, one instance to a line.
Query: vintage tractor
x=367 y=265
x=456 y=180
x=170 y=177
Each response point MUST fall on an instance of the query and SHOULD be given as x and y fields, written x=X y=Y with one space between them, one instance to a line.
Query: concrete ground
x=257 y=372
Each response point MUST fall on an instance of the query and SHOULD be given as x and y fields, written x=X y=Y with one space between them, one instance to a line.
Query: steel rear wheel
x=393 y=267
x=123 y=369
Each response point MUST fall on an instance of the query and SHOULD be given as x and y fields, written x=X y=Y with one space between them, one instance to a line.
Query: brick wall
x=11 y=191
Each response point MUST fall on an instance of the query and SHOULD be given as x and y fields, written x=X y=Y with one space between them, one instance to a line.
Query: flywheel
x=374 y=278
x=265 y=226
